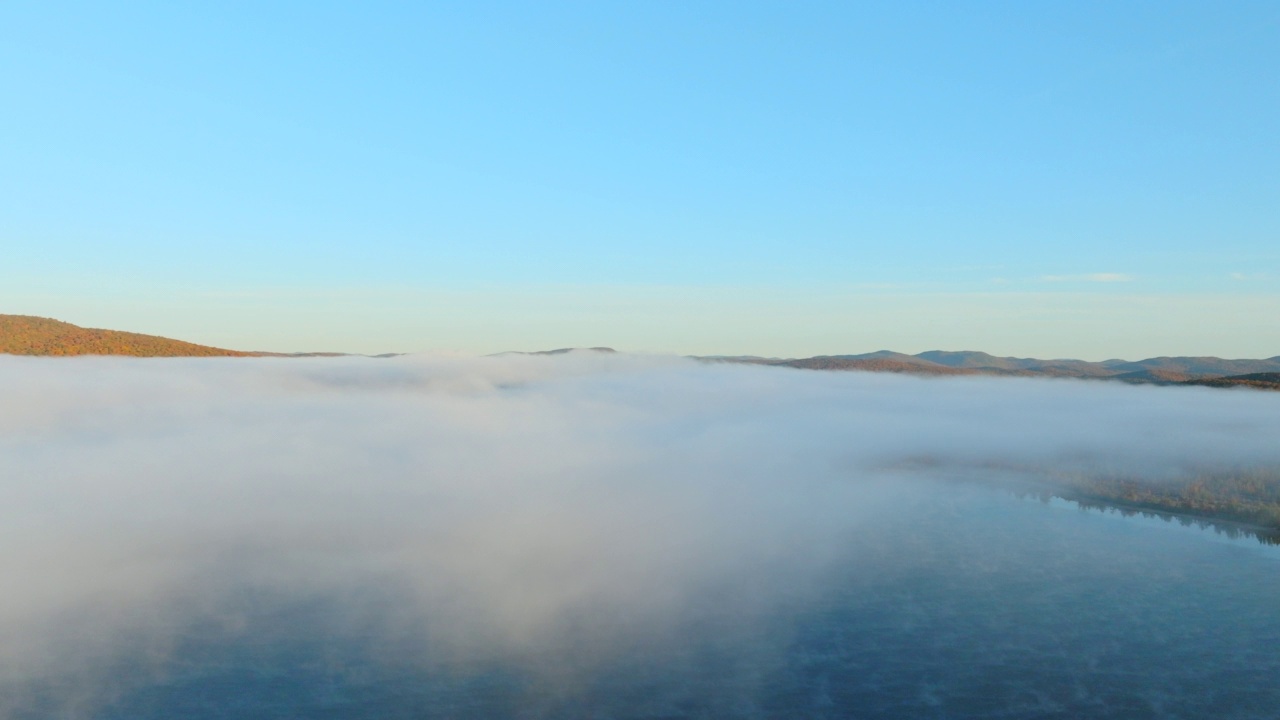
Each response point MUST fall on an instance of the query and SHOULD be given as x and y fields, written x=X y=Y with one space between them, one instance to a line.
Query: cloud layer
x=502 y=507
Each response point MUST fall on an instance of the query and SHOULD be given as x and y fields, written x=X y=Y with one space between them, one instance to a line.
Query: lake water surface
x=981 y=606
x=600 y=536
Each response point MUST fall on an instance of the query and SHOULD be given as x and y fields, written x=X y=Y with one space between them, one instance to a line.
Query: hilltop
x=29 y=335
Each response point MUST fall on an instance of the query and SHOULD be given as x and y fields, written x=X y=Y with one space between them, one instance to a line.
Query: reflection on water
x=981 y=606
x=1232 y=530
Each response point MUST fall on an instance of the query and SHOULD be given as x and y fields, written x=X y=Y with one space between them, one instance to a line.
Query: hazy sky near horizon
x=1058 y=179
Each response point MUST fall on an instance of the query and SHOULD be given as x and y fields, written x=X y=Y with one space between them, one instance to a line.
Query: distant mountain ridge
x=1211 y=371
x=30 y=335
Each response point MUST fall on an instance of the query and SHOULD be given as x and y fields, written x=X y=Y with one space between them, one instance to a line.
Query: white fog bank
x=509 y=502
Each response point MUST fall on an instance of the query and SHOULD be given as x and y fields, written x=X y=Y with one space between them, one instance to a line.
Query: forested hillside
x=1258 y=381
x=28 y=335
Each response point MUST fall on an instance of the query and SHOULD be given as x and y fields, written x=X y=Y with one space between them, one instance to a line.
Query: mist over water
x=609 y=536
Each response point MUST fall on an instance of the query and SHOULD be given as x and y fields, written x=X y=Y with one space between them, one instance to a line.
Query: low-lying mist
x=551 y=513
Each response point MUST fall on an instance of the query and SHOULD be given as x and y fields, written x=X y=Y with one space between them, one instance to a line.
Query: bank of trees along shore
x=1243 y=501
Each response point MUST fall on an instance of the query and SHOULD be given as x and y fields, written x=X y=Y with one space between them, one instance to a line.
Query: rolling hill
x=29 y=335
x=873 y=364
x=1210 y=371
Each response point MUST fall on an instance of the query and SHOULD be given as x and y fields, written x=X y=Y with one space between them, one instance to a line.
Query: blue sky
x=1052 y=179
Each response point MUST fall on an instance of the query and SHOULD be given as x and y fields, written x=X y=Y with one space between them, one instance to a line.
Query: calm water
x=980 y=606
